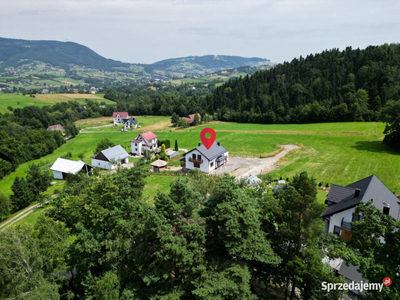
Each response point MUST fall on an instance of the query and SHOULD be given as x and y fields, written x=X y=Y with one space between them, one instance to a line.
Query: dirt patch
x=163 y=125
x=81 y=96
x=244 y=167
x=95 y=120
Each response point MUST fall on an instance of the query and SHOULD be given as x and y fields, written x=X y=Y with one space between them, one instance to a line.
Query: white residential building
x=144 y=141
x=206 y=160
x=342 y=202
x=119 y=116
x=110 y=158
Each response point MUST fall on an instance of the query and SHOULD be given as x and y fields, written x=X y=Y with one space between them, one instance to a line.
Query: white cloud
x=150 y=30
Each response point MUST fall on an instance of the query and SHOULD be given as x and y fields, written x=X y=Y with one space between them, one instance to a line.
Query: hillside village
x=122 y=196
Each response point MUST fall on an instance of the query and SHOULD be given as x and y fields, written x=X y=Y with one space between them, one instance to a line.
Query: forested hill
x=349 y=85
x=15 y=52
x=208 y=63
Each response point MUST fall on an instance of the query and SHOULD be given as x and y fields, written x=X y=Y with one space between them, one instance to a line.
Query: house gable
x=101 y=156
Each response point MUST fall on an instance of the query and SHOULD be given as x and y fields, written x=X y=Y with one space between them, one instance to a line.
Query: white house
x=130 y=123
x=144 y=141
x=119 y=116
x=62 y=167
x=342 y=202
x=110 y=158
x=205 y=159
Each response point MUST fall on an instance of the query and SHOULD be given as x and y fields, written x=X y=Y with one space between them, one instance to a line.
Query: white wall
x=204 y=167
x=336 y=219
x=102 y=164
x=57 y=175
x=137 y=146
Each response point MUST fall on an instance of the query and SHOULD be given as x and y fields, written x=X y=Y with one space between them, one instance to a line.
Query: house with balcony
x=342 y=202
x=338 y=217
x=206 y=160
x=144 y=141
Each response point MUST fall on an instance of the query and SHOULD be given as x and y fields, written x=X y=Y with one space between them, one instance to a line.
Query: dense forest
x=207 y=238
x=24 y=135
x=333 y=86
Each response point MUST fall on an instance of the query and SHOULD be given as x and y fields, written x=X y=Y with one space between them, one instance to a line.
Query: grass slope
x=333 y=158
x=19 y=101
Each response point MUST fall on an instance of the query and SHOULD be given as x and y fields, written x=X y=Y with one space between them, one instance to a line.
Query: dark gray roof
x=350 y=272
x=371 y=188
x=212 y=153
x=132 y=119
x=338 y=193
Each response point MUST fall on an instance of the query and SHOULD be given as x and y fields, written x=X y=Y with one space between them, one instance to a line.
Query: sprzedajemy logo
x=356 y=286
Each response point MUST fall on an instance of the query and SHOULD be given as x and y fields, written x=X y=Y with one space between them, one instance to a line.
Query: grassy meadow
x=338 y=153
x=19 y=101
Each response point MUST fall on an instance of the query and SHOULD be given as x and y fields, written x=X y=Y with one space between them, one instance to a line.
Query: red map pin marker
x=207 y=142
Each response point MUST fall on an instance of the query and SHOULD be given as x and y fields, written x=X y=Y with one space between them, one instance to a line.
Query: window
x=336 y=230
x=212 y=165
x=196 y=165
x=194 y=156
x=99 y=164
x=199 y=157
x=356 y=218
x=386 y=210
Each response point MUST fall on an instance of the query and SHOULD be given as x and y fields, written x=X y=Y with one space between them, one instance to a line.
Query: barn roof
x=116 y=153
x=67 y=166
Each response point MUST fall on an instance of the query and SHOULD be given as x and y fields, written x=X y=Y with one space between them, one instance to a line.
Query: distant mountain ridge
x=15 y=52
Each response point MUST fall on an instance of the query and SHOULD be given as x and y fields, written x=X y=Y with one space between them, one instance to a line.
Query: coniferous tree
x=22 y=196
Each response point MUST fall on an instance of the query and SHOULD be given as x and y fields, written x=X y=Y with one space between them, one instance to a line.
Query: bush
x=327 y=185
x=167 y=143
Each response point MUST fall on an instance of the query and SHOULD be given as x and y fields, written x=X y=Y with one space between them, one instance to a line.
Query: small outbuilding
x=159 y=165
x=172 y=153
x=63 y=167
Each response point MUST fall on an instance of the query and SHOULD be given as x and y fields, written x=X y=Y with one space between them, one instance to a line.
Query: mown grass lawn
x=332 y=158
x=156 y=183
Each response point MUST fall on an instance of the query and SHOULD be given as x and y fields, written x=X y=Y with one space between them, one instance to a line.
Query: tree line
x=332 y=86
x=23 y=134
x=207 y=238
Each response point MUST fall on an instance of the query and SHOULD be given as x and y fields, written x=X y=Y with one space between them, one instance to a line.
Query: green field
x=142 y=121
x=334 y=158
x=338 y=153
x=19 y=101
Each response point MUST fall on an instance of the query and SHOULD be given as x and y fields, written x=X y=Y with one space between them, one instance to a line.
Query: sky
x=146 y=31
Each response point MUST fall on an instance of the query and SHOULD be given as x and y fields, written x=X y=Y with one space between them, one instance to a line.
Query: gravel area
x=241 y=167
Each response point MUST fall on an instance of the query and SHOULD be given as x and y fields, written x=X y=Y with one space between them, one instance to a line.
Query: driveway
x=241 y=167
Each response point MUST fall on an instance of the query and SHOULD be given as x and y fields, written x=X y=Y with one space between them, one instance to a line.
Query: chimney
x=199 y=144
x=357 y=193
x=218 y=144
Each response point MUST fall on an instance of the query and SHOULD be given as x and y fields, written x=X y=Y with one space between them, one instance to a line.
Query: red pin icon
x=207 y=142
